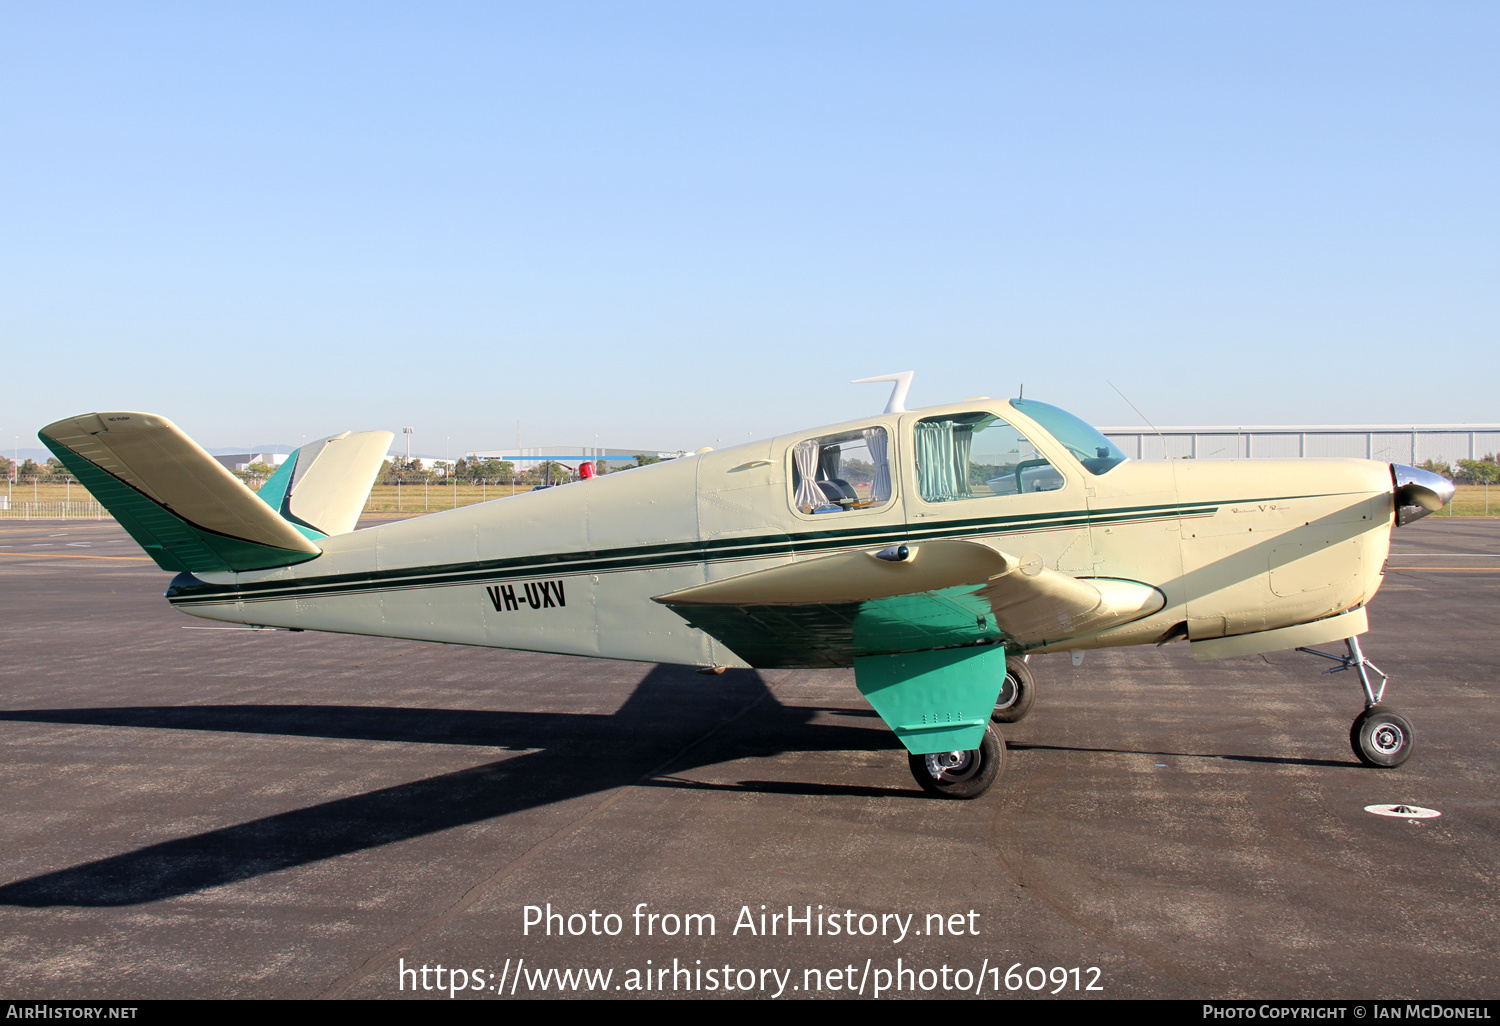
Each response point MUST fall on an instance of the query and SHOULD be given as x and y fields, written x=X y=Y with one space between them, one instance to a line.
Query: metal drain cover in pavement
x=1403 y=811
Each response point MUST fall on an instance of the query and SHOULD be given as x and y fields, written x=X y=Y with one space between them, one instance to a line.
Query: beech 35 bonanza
x=932 y=550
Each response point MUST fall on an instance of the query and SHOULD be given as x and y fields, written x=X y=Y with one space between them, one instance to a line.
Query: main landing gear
x=942 y=701
x=970 y=774
x=1016 y=694
x=1379 y=736
x=961 y=774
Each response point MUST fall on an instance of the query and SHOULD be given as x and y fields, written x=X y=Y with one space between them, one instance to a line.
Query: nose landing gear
x=1380 y=737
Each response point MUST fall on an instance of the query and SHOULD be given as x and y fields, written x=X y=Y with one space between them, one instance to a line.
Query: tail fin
x=177 y=501
x=322 y=487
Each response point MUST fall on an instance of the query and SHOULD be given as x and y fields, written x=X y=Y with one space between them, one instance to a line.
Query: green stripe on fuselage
x=651 y=557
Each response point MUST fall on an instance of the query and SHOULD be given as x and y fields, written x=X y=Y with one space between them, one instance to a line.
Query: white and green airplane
x=932 y=550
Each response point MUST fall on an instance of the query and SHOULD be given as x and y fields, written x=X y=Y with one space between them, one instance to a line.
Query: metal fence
x=87 y=509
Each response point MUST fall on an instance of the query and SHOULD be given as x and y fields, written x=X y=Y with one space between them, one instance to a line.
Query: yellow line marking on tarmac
x=71 y=555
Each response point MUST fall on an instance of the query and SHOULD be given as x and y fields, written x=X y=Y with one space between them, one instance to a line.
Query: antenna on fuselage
x=902 y=385
x=1138 y=412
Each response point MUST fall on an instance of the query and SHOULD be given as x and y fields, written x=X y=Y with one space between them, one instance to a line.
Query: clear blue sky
x=685 y=224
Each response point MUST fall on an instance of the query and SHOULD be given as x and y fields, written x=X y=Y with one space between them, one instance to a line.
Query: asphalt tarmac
x=197 y=812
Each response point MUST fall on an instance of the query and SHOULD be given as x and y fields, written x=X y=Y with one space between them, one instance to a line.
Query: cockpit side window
x=1094 y=450
x=978 y=455
x=844 y=472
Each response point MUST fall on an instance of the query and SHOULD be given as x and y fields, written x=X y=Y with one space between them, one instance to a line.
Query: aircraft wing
x=826 y=610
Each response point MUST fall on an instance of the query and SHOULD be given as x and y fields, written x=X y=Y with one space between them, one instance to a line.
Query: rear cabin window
x=977 y=456
x=841 y=473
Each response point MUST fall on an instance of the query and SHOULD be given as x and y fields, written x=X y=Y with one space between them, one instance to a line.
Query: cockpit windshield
x=1097 y=453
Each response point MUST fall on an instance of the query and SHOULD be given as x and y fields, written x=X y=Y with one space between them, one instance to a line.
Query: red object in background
x=586 y=470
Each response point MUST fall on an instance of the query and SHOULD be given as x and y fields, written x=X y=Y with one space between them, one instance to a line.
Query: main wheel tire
x=1016 y=694
x=1381 y=738
x=961 y=774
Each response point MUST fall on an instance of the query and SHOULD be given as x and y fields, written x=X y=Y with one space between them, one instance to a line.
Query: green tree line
x=29 y=470
x=397 y=469
x=493 y=471
x=1485 y=470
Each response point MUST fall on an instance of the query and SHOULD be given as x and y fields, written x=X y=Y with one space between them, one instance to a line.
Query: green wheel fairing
x=937 y=701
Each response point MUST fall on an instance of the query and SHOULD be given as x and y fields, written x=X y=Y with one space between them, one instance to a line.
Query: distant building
x=568 y=455
x=1390 y=443
x=242 y=460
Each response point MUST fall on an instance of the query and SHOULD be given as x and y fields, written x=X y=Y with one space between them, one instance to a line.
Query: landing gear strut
x=961 y=774
x=1379 y=736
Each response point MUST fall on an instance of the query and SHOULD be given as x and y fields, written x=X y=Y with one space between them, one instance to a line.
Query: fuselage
x=1233 y=546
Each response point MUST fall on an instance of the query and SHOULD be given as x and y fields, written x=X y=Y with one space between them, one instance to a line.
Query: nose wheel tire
x=961 y=774
x=1381 y=738
x=1016 y=694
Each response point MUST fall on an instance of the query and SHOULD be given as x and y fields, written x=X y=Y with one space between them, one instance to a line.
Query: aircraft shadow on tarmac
x=669 y=722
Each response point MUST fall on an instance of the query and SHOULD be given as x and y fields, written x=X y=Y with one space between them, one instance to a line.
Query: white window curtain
x=879 y=446
x=805 y=455
x=963 y=443
x=936 y=480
